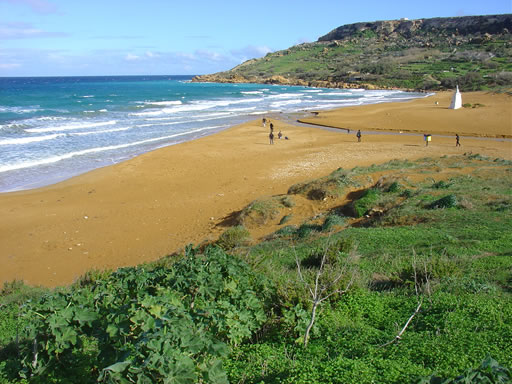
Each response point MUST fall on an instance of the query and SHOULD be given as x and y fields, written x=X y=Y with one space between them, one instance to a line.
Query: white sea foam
x=54 y=159
x=190 y=117
x=237 y=110
x=194 y=106
x=20 y=110
x=12 y=125
x=99 y=132
x=252 y=92
x=71 y=127
x=87 y=96
x=279 y=104
x=27 y=140
x=182 y=121
x=340 y=93
x=313 y=90
x=174 y=102
x=50 y=118
x=285 y=96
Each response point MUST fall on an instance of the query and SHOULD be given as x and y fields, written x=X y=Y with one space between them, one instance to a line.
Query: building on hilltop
x=456 y=100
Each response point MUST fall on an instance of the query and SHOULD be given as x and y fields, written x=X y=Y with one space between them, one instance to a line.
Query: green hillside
x=408 y=274
x=474 y=52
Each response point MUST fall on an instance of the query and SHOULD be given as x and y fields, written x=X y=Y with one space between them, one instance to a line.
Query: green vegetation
x=366 y=202
x=436 y=250
x=333 y=185
x=234 y=237
x=435 y=57
x=260 y=212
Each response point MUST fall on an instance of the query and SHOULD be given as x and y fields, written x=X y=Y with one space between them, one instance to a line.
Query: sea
x=53 y=128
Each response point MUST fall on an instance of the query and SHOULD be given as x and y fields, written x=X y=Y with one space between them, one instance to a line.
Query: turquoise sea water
x=58 y=127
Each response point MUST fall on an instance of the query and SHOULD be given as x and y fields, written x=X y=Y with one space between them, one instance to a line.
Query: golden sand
x=490 y=115
x=156 y=203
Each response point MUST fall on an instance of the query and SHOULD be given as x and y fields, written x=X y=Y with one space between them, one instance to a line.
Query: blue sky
x=158 y=37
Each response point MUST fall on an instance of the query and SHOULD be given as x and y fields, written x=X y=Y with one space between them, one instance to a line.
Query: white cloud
x=38 y=6
x=250 y=52
x=9 y=65
x=152 y=55
x=210 y=55
x=131 y=57
x=20 y=30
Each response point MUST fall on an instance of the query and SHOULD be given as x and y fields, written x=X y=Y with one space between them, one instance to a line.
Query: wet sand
x=157 y=203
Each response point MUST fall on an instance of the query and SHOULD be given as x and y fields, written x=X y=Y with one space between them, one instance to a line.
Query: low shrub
x=234 y=237
x=365 y=202
x=331 y=221
x=288 y=230
x=259 y=212
x=287 y=201
x=285 y=219
x=394 y=187
x=448 y=201
x=306 y=229
x=332 y=185
x=406 y=193
x=441 y=185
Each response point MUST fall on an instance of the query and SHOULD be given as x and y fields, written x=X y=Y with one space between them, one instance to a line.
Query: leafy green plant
x=448 y=201
x=365 y=202
x=490 y=371
x=155 y=325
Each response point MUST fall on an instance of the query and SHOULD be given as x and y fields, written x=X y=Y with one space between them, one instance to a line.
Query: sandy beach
x=490 y=115
x=155 y=204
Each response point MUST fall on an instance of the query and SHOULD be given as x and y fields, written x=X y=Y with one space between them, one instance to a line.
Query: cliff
x=467 y=25
x=472 y=51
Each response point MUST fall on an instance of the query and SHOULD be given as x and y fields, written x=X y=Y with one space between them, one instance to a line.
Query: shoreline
x=436 y=117
x=158 y=202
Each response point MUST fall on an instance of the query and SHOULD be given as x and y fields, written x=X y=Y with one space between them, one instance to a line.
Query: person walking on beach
x=264 y=121
x=271 y=137
x=271 y=128
x=457 y=140
x=279 y=135
x=358 y=135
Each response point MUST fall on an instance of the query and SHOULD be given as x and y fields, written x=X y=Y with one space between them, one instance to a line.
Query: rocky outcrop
x=466 y=25
x=280 y=80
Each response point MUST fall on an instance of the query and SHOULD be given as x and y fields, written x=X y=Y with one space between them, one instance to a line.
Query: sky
x=185 y=37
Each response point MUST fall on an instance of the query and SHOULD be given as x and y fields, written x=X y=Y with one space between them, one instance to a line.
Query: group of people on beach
x=427 y=136
x=271 y=134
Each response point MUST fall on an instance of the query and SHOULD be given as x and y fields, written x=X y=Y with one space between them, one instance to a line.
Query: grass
x=333 y=185
x=234 y=237
x=260 y=212
x=461 y=248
